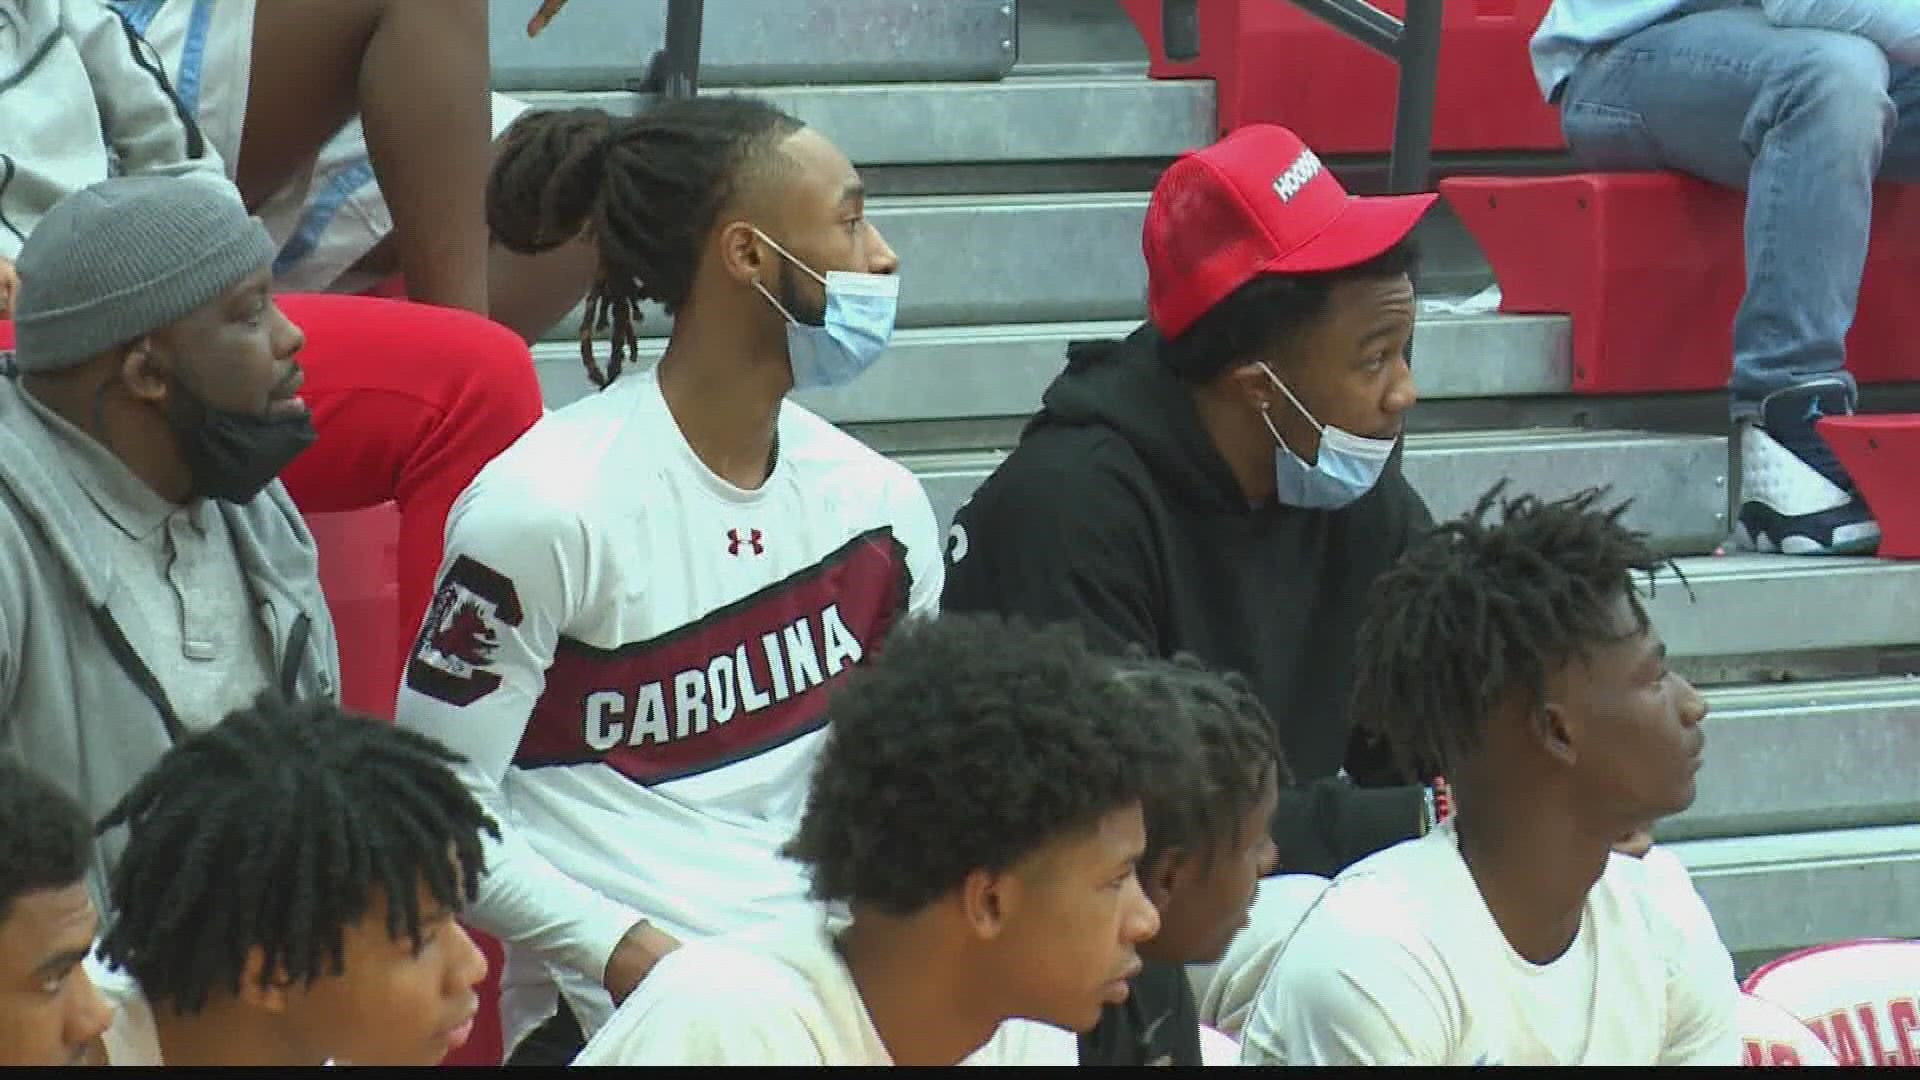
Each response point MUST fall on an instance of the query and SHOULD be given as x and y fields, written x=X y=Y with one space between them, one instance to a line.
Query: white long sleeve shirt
x=635 y=656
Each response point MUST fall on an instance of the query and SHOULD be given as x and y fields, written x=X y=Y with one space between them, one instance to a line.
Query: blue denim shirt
x=1573 y=28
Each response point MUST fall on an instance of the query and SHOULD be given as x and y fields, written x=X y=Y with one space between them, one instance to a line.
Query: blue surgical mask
x=1347 y=467
x=855 y=331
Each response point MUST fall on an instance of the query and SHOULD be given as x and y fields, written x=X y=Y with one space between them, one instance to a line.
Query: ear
x=743 y=255
x=987 y=900
x=1557 y=730
x=1166 y=875
x=271 y=995
x=1249 y=382
x=144 y=377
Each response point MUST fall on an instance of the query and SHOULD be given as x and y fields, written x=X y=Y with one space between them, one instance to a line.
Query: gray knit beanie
x=127 y=256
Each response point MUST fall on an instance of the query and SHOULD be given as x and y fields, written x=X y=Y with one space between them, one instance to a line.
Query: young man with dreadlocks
x=288 y=897
x=1207 y=849
x=1518 y=656
x=977 y=811
x=647 y=600
x=50 y=1013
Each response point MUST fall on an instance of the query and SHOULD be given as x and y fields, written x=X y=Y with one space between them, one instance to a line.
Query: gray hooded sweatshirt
x=77 y=702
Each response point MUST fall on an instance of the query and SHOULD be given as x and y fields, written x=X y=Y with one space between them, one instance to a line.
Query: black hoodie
x=1117 y=511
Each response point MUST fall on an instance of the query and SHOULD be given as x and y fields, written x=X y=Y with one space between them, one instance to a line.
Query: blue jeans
x=1804 y=120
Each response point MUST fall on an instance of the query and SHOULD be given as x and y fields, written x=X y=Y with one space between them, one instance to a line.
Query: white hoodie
x=777 y=994
x=82 y=98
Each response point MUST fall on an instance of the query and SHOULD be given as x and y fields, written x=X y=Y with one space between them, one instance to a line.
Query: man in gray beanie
x=154 y=574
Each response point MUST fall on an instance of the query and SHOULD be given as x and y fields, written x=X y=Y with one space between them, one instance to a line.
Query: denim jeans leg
x=1798 y=118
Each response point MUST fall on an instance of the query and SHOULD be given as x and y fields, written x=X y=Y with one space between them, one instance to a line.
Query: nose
x=1141 y=920
x=90 y=1014
x=1401 y=394
x=1693 y=704
x=288 y=339
x=469 y=963
x=880 y=255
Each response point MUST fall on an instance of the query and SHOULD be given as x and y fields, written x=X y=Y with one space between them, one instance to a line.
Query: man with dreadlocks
x=288 y=897
x=1518 y=656
x=647 y=600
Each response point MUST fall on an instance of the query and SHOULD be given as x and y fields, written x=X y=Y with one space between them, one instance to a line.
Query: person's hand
x=1635 y=843
x=548 y=9
x=9 y=284
x=636 y=954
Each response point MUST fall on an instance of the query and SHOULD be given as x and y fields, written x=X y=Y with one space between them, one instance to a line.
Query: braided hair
x=1231 y=754
x=1475 y=612
x=647 y=189
x=273 y=830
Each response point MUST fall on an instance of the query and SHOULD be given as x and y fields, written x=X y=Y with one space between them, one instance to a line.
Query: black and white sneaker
x=1794 y=496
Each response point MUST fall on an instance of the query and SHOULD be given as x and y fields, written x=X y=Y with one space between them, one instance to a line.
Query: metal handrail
x=1414 y=45
x=675 y=70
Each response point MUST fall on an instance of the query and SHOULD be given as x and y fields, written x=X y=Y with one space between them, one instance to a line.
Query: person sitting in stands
x=977 y=813
x=50 y=1012
x=407 y=401
x=289 y=894
x=1226 y=481
x=154 y=575
x=647 y=602
x=1518 y=655
x=1772 y=100
x=1207 y=850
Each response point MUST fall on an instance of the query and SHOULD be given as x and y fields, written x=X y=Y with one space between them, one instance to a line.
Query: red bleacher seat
x=1882 y=454
x=1650 y=268
x=1273 y=63
x=359 y=568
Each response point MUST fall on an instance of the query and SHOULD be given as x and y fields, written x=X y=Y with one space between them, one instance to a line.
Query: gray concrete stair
x=1669 y=477
x=1802 y=757
x=1744 y=605
x=1774 y=893
x=974 y=372
x=1023 y=118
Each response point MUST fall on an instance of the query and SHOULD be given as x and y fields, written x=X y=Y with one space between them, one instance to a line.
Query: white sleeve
x=513 y=578
x=682 y=1015
x=1337 y=996
x=916 y=529
x=1703 y=996
x=1894 y=25
x=140 y=115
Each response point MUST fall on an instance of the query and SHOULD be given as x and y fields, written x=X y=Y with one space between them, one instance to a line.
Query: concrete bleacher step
x=1745 y=605
x=1773 y=893
x=970 y=372
x=1669 y=477
x=608 y=43
x=971 y=260
x=1762 y=742
x=1018 y=119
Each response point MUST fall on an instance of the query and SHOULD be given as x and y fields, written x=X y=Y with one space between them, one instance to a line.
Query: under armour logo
x=753 y=540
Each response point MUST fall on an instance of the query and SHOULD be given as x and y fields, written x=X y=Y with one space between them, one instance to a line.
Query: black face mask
x=233 y=456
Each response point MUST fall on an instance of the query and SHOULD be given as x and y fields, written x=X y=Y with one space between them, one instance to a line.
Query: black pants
x=554 y=1043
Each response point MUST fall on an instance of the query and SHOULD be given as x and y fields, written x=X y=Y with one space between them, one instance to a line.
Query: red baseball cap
x=1256 y=202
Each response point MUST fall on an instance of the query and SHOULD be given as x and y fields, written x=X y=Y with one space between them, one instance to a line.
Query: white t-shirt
x=777 y=994
x=1400 y=963
x=635 y=657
